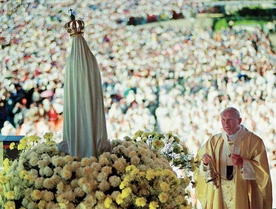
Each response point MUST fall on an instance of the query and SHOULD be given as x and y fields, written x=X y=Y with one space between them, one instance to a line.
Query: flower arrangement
x=137 y=174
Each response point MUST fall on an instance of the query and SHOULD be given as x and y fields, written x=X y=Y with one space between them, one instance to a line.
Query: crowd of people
x=169 y=79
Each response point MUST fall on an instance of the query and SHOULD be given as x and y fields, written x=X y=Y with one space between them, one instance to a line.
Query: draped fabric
x=84 y=126
x=245 y=193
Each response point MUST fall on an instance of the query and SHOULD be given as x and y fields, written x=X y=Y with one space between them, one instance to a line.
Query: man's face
x=230 y=122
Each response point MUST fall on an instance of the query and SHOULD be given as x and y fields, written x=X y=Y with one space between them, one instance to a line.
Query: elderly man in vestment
x=234 y=170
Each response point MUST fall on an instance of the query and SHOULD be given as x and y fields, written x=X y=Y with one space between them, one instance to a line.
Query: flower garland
x=137 y=174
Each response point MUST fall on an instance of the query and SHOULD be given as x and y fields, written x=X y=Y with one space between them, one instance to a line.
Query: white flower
x=103 y=161
x=107 y=170
x=104 y=185
x=49 y=183
x=46 y=158
x=119 y=165
x=60 y=186
x=39 y=182
x=75 y=165
x=48 y=171
x=114 y=181
x=66 y=173
x=74 y=183
x=57 y=170
x=79 y=192
x=69 y=195
x=56 y=180
x=25 y=202
x=34 y=173
x=33 y=161
x=42 y=204
x=48 y=196
x=87 y=171
x=42 y=163
x=41 y=171
x=32 y=205
x=113 y=157
x=89 y=201
x=51 y=205
x=135 y=160
x=96 y=166
x=68 y=159
x=99 y=195
x=85 y=162
x=102 y=176
x=58 y=161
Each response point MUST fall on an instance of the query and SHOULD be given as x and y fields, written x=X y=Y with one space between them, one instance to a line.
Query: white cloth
x=84 y=122
x=248 y=171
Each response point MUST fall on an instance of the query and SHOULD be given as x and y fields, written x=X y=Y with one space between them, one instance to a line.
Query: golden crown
x=74 y=27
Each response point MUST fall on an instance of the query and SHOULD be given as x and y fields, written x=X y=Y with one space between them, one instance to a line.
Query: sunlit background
x=167 y=66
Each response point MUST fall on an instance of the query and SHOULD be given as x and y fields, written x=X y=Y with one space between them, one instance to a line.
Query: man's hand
x=237 y=160
x=206 y=159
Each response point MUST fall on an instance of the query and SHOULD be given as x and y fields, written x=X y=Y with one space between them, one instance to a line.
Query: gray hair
x=231 y=109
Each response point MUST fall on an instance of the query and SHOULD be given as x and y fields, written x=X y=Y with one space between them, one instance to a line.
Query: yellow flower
x=179 y=199
x=119 y=199
x=126 y=192
x=163 y=197
x=63 y=205
x=29 y=177
x=107 y=202
x=142 y=173
x=158 y=144
x=169 y=173
x=12 y=145
x=6 y=164
x=150 y=174
x=138 y=134
x=153 y=205
x=42 y=204
x=21 y=146
x=164 y=186
x=34 y=138
x=9 y=205
x=23 y=173
x=140 y=201
x=123 y=184
x=9 y=195
x=36 y=194
x=2 y=179
x=187 y=180
x=48 y=135
x=130 y=168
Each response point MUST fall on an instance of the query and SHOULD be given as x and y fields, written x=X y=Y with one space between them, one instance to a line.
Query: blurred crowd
x=169 y=79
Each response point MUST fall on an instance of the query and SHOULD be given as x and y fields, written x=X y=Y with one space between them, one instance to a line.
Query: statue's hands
x=206 y=159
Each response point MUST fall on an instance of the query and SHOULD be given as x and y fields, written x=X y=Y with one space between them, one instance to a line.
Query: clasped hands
x=236 y=159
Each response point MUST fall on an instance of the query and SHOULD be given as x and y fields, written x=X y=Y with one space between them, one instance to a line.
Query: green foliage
x=224 y=23
x=247 y=16
x=221 y=24
x=256 y=12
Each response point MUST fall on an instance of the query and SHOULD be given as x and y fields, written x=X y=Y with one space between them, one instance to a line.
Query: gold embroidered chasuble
x=251 y=187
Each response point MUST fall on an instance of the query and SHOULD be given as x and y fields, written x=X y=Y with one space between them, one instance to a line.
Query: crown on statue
x=74 y=27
